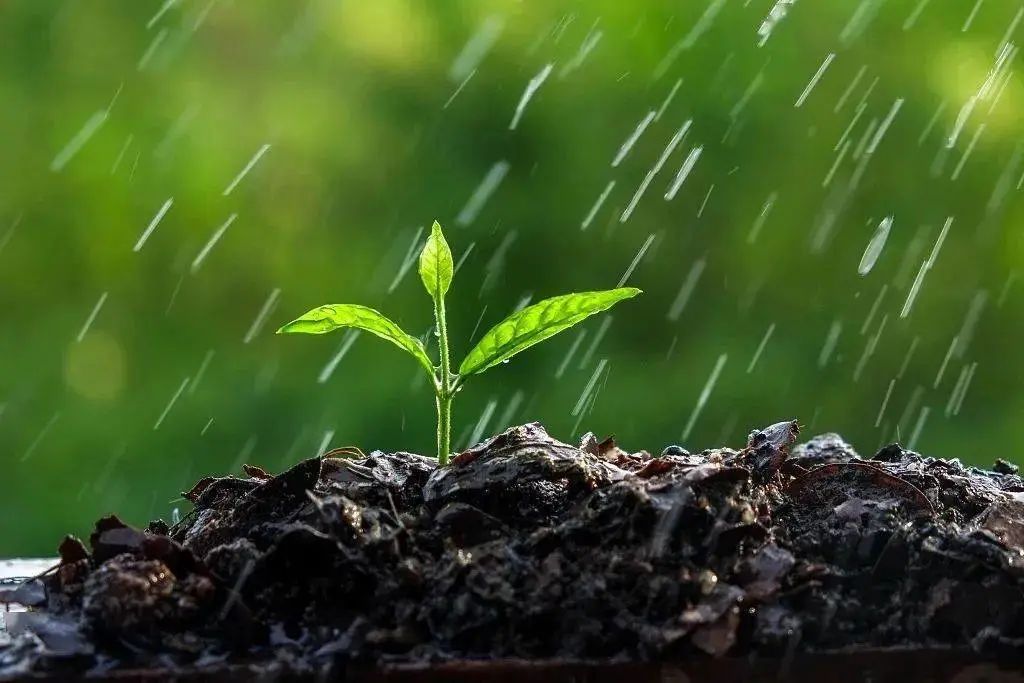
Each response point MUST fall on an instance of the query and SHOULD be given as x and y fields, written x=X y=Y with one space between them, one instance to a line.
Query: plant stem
x=444 y=429
x=443 y=387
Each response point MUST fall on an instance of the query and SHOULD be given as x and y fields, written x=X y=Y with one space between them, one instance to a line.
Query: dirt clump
x=526 y=547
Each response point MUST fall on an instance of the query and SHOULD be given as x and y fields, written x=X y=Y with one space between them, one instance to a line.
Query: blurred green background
x=125 y=373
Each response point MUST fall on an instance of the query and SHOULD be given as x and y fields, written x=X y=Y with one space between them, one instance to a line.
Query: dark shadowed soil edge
x=527 y=555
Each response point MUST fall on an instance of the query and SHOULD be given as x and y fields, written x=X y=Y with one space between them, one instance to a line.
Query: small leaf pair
x=514 y=334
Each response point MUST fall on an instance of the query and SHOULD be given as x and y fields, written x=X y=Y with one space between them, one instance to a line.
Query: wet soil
x=526 y=548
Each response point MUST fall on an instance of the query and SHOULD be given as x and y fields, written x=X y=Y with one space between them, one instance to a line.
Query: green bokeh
x=370 y=142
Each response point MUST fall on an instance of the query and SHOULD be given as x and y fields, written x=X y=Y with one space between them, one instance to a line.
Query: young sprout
x=516 y=333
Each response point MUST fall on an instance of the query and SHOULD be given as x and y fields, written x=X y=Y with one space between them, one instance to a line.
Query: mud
x=529 y=548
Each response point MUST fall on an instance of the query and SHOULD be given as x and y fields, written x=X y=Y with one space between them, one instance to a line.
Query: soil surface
x=529 y=548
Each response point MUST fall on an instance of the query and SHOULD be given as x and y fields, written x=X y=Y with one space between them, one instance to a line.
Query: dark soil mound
x=526 y=547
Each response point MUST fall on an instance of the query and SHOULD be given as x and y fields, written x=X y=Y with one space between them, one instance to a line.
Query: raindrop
x=919 y=427
x=906 y=359
x=203 y=14
x=201 y=371
x=510 y=411
x=676 y=139
x=325 y=442
x=970 y=17
x=668 y=99
x=689 y=284
x=563 y=366
x=459 y=89
x=967 y=152
x=636 y=260
x=762 y=217
x=850 y=88
x=5 y=240
x=346 y=343
x=476 y=48
x=704 y=395
x=684 y=171
x=859 y=20
x=885 y=125
x=482 y=193
x=831 y=339
x=92 y=317
x=915 y=400
x=248 y=167
x=170 y=404
x=775 y=15
x=39 y=437
x=168 y=4
x=1003 y=60
x=704 y=203
x=966 y=334
x=175 y=131
x=590 y=41
x=874 y=309
x=945 y=362
x=869 y=349
x=597 y=205
x=152 y=224
x=92 y=124
x=411 y=255
x=602 y=330
x=744 y=99
x=931 y=122
x=909 y=22
x=964 y=388
x=814 y=79
x=154 y=45
x=690 y=39
x=760 y=348
x=120 y=155
x=633 y=137
x=885 y=402
x=1011 y=27
x=481 y=424
x=1002 y=187
x=480 y=319
x=531 y=90
x=875 y=246
x=578 y=408
x=523 y=302
x=261 y=317
x=1010 y=279
x=853 y=122
x=835 y=164
x=925 y=267
x=205 y=251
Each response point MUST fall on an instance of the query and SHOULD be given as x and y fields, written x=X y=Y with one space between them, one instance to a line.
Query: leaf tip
x=287 y=328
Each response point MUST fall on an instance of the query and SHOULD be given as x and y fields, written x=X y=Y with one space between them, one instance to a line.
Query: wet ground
x=529 y=548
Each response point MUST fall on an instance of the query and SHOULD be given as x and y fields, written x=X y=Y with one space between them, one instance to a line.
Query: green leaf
x=535 y=323
x=331 y=317
x=436 y=267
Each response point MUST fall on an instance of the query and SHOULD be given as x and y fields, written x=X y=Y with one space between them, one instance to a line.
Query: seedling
x=516 y=333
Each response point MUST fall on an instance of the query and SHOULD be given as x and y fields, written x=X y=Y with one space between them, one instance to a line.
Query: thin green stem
x=444 y=429
x=443 y=387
